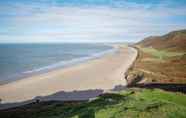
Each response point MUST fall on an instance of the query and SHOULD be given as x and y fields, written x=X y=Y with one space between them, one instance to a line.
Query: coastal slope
x=133 y=103
x=162 y=61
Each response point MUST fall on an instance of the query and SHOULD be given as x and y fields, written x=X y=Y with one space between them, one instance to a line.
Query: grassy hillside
x=133 y=103
x=161 y=54
x=162 y=59
x=159 y=66
x=173 y=41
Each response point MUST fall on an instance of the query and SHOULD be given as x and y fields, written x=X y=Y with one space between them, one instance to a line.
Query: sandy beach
x=102 y=73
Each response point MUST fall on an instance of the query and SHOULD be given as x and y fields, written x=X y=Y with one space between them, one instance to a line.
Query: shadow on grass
x=168 y=86
x=67 y=109
x=89 y=113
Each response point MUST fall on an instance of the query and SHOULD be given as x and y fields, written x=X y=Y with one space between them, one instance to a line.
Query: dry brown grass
x=173 y=41
x=171 y=70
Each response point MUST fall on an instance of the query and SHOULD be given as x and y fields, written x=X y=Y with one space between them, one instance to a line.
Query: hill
x=173 y=41
x=161 y=60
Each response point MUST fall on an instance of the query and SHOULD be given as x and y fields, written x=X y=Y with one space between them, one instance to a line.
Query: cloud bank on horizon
x=88 y=20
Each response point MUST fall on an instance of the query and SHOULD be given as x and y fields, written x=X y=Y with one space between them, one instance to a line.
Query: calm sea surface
x=20 y=60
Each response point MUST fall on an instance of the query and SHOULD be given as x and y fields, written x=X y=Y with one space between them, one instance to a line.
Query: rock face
x=173 y=41
x=134 y=78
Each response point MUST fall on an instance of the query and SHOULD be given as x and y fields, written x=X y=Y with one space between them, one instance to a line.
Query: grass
x=133 y=103
x=160 y=66
x=161 y=54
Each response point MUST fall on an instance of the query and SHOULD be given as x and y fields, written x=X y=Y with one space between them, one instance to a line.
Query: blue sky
x=32 y=21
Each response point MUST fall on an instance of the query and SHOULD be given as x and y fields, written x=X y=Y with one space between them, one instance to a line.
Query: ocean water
x=20 y=60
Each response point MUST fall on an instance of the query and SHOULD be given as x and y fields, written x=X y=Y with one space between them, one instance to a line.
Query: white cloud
x=98 y=24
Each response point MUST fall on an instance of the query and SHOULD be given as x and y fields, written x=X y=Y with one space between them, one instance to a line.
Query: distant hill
x=174 y=41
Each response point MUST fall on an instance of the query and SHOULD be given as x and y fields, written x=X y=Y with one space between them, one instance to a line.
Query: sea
x=18 y=61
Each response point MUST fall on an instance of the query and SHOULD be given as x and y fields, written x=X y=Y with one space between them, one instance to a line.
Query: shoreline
x=60 y=65
x=103 y=73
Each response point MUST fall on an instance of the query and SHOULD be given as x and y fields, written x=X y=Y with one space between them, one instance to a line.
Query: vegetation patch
x=132 y=103
x=159 y=66
x=161 y=54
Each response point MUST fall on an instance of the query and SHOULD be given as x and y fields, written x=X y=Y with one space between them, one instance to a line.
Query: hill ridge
x=174 y=41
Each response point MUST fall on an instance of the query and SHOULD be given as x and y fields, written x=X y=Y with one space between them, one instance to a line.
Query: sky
x=51 y=21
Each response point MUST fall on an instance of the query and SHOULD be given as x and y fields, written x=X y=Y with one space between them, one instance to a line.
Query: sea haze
x=20 y=60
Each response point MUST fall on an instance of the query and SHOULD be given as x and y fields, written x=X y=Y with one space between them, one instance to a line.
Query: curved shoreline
x=58 y=65
x=103 y=73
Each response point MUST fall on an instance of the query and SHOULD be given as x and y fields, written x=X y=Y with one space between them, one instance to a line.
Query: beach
x=103 y=73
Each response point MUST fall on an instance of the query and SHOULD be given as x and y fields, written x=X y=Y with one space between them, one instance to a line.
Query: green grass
x=133 y=103
x=161 y=54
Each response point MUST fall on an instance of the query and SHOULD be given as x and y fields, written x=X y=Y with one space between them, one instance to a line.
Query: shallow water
x=19 y=60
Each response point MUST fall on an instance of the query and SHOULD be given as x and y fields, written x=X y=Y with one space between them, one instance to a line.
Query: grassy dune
x=133 y=103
